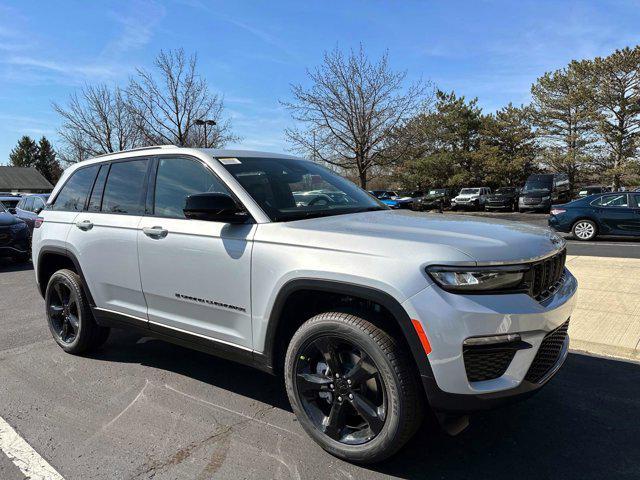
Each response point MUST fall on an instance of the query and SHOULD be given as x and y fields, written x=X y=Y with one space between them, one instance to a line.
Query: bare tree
x=96 y=121
x=166 y=106
x=351 y=111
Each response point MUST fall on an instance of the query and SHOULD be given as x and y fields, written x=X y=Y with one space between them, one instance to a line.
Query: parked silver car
x=371 y=315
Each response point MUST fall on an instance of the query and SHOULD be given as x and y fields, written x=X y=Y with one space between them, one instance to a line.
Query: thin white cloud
x=87 y=71
x=137 y=27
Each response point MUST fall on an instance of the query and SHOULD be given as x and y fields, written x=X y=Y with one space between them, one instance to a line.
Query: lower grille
x=532 y=200
x=486 y=364
x=548 y=354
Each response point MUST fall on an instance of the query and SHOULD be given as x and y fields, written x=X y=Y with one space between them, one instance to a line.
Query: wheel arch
x=277 y=324
x=52 y=259
x=584 y=216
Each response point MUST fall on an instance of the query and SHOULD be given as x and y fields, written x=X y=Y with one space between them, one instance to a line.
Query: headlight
x=477 y=279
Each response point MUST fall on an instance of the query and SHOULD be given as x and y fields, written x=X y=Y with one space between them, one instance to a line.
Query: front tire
x=69 y=316
x=352 y=387
x=584 y=230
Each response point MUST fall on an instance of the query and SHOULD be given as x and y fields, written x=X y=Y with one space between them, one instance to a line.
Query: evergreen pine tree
x=25 y=154
x=46 y=162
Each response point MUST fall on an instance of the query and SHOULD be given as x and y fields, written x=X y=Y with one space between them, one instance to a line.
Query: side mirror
x=12 y=211
x=37 y=210
x=214 y=207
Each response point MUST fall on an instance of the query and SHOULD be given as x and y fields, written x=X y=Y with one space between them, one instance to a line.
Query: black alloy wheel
x=341 y=390
x=63 y=312
x=69 y=314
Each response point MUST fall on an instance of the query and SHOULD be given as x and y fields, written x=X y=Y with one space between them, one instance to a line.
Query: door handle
x=155 y=232
x=85 y=225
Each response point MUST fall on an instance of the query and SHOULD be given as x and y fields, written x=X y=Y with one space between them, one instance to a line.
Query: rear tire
x=584 y=230
x=69 y=316
x=351 y=412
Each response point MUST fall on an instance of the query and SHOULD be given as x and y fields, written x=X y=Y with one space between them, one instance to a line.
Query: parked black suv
x=543 y=190
x=436 y=198
x=15 y=240
x=504 y=198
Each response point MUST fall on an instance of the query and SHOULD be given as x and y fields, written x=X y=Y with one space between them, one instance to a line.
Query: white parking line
x=30 y=463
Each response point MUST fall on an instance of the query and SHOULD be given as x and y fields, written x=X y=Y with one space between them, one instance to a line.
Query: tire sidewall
x=335 y=327
x=66 y=278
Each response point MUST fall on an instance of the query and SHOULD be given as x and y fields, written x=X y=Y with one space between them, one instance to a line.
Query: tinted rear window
x=124 y=190
x=74 y=193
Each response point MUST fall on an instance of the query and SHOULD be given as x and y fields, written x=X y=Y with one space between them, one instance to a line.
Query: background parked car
x=9 y=200
x=388 y=197
x=407 y=198
x=29 y=207
x=436 y=198
x=592 y=190
x=473 y=198
x=15 y=240
x=504 y=198
x=543 y=190
x=605 y=214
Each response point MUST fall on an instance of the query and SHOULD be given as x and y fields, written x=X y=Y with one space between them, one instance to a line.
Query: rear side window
x=611 y=201
x=96 y=195
x=74 y=192
x=38 y=203
x=178 y=178
x=27 y=204
x=124 y=190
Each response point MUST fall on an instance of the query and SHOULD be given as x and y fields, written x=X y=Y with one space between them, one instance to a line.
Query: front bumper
x=541 y=205
x=448 y=319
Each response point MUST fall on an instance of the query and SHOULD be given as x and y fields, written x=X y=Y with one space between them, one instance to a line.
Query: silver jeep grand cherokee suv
x=370 y=314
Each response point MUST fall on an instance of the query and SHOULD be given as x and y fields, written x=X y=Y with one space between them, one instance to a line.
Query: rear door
x=635 y=215
x=196 y=275
x=614 y=214
x=68 y=204
x=104 y=237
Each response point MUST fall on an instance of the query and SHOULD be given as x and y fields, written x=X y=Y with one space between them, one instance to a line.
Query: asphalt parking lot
x=142 y=408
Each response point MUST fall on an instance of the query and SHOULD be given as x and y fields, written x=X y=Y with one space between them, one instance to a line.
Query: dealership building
x=23 y=180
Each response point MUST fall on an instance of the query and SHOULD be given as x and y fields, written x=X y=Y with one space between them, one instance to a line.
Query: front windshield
x=536 y=186
x=292 y=189
x=470 y=191
x=505 y=190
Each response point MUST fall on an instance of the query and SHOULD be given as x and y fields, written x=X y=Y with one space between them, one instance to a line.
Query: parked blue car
x=387 y=197
x=29 y=207
x=604 y=214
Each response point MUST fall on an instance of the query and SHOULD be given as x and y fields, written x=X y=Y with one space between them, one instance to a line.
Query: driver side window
x=177 y=178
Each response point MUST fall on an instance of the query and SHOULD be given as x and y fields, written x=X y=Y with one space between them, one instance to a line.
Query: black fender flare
x=63 y=252
x=367 y=293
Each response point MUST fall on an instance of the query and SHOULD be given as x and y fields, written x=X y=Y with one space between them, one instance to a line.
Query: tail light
x=557 y=211
x=37 y=222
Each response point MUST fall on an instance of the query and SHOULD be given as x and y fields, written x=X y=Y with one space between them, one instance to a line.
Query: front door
x=195 y=274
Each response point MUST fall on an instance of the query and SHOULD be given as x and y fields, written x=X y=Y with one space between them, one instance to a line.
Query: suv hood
x=427 y=237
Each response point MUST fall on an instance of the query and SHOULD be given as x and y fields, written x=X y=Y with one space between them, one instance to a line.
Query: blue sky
x=250 y=51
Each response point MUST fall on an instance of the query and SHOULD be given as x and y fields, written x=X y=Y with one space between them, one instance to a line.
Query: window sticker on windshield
x=230 y=161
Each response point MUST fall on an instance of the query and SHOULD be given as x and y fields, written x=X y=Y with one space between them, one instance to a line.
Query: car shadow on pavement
x=7 y=265
x=583 y=424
